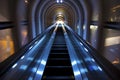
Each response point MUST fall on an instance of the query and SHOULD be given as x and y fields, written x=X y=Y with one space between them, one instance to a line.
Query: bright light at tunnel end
x=60 y=22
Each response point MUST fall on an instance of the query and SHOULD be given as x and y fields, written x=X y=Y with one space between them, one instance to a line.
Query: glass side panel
x=6 y=44
x=112 y=46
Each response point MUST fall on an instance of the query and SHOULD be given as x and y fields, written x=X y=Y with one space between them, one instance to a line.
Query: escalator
x=59 y=55
x=58 y=64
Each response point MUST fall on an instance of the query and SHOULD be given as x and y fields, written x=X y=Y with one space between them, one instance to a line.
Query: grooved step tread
x=58 y=62
x=58 y=65
x=53 y=55
x=58 y=71
x=59 y=51
x=58 y=77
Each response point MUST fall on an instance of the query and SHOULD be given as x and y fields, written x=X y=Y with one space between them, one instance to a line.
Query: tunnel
x=59 y=39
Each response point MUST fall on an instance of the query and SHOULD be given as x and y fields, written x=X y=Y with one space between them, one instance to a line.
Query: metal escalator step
x=59 y=45
x=62 y=59
x=59 y=51
x=59 y=62
x=58 y=71
x=58 y=77
x=58 y=67
x=58 y=55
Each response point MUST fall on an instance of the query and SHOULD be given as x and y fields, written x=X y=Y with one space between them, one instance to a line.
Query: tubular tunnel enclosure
x=58 y=54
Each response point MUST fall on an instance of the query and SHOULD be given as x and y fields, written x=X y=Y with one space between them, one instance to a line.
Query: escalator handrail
x=6 y=64
x=108 y=67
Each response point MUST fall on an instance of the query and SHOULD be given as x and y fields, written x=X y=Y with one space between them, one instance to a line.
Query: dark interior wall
x=111 y=10
x=7 y=10
x=95 y=9
x=4 y=11
x=19 y=9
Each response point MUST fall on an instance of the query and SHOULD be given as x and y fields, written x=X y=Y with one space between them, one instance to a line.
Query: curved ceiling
x=52 y=12
x=77 y=13
x=51 y=9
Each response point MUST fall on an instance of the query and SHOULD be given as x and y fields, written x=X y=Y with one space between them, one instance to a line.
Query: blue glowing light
x=76 y=73
x=81 y=44
x=29 y=59
x=99 y=68
x=83 y=70
x=93 y=60
x=61 y=1
x=86 y=50
x=23 y=67
x=74 y=63
x=14 y=65
x=79 y=61
x=87 y=59
x=57 y=1
x=31 y=47
x=96 y=68
x=34 y=69
x=36 y=42
x=22 y=57
x=39 y=72
x=43 y=62
x=30 y=78
x=38 y=61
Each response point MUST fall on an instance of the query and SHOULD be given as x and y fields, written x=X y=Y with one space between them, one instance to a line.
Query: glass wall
x=112 y=46
x=6 y=44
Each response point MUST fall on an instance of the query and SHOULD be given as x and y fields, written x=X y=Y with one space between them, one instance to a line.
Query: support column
x=87 y=20
x=17 y=18
x=99 y=33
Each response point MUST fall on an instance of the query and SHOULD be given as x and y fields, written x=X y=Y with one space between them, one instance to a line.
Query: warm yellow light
x=117 y=61
x=112 y=41
x=26 y=1
x=60 y=22
x=93 y=27
x=60 y=15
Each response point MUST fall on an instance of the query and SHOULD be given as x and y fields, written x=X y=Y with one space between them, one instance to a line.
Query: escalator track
x=58 y=65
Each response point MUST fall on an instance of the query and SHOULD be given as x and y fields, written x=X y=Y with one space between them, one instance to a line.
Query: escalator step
x=58 y=55
x=59 y=51
x=59 y=62
x=58 y=78
x=59 y=59
x=58 y=65
x=58 y=71
x=59 y=45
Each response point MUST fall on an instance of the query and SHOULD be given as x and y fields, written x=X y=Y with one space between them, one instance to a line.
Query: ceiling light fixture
x=59 y=1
